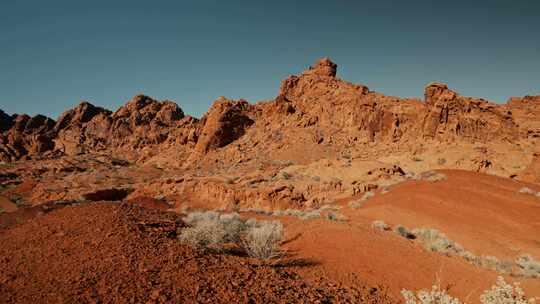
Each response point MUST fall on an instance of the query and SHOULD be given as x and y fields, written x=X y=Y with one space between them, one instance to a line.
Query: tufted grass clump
x=262 y=240
x=212 y=231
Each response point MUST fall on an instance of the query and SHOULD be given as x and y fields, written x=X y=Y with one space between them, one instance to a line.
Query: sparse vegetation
x=431 y=176
x=311 y=214
x=380 y=225
x=436 y=295
x=500 y=293
x=528 y=266
x=336 y=216
x=527 y=190
x=404 y=232
x=434 y=240
x=262 y=239
x=212 y=231
x=504 y=293
x=357 y=204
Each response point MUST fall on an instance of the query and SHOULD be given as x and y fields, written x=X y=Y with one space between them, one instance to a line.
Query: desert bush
x=311 y=214
x=434 y=296
x=367 y=195
x=435 y=241
x=431 y=176
x=526 y=190
x=380 y=225
x=330 y=207
x=262 y=240
x=210 y=230
x=206 y=235
x=500 y=293
x=404 y=232
x=336 y=216
x=493 y=263
x=528 y=266
x=355 y=204
x=504 y=293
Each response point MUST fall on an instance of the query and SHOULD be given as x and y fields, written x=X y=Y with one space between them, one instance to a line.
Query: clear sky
x=55 y=53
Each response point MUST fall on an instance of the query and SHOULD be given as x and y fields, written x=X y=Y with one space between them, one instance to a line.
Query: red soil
x=111 y=253
x=484 y=213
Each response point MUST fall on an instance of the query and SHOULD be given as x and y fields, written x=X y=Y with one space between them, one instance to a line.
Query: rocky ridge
x=314 y=111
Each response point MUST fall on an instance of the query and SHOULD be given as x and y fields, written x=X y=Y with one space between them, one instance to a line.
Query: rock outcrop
x=450 y=115
x=225 y=122
x=314 y=111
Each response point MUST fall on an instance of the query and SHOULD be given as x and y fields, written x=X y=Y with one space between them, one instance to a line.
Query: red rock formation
x=449 y=114
x=315 y=111
x=27 y=136
x=225 y=122
x=526 y=111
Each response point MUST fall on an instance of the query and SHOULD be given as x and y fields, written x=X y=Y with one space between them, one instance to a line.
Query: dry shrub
x=431 y=176
x=262 y=240
x=211 y=231
x=380 y=225
x=528 y=266
x=336 y=216
x=504 y=293
x=526 y=190
x=436 y=295
x=500 y=293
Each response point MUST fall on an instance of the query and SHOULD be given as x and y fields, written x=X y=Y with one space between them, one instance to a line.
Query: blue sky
x=56 y=53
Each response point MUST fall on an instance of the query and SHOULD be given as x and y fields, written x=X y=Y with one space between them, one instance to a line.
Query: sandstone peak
x=434 y=90
x=323 y=67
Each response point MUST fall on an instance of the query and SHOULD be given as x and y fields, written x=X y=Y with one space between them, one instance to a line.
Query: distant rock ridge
x=313 y=110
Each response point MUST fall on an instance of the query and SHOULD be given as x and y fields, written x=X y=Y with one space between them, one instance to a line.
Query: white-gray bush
x=211 y=230
x=528 y=266
x=527 y=190
x=262 y=241
x=434 y=296
x=431 y=176
x=500 y=293
x=380 y=225
x=504 y=293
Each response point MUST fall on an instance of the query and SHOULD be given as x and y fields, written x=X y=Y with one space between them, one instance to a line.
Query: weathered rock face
x=225 y=122
x=71 y=128
x=27 y=136
x=449 y=115
x=143 y=121
x=526 y=111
